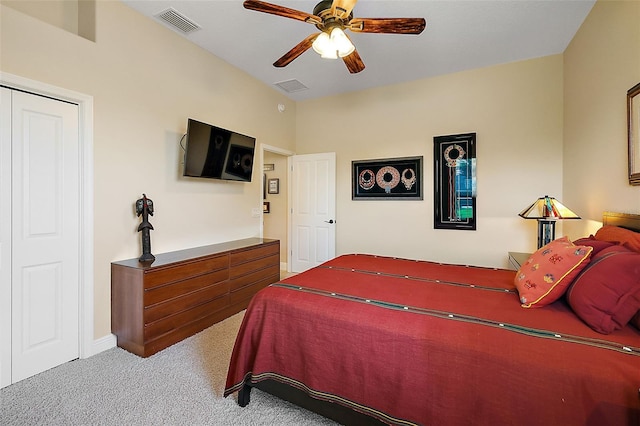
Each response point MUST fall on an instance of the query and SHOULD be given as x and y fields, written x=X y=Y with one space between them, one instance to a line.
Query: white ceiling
x=460 y=35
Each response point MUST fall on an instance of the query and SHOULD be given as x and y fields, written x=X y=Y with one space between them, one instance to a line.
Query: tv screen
x=212 y=152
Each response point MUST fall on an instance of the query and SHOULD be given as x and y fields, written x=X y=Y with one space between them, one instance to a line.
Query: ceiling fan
x=332 y=17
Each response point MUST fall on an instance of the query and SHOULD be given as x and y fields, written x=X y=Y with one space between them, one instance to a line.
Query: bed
x=366 y=339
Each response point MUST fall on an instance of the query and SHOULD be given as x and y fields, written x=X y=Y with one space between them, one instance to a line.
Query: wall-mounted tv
x=212 y=152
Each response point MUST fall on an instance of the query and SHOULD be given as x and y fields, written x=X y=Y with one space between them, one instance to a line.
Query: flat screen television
x=212 y=152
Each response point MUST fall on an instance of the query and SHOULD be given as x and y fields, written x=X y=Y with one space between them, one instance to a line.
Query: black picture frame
x=633 y=133
x=274 y=186
x=387 y=179
x=454 y=158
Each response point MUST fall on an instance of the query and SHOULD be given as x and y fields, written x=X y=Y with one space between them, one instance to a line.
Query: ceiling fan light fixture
x=341 y=42
x=333 y=46
x=324 y=46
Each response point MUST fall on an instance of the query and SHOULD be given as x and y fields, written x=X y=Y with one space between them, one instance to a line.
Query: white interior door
x=44 y=216
x=313 y=213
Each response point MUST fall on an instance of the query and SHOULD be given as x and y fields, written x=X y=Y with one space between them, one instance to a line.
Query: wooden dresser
x=181 y=293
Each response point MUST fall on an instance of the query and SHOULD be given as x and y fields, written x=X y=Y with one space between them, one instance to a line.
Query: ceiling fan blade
x=342 y=8
x=354 y=62
x=298 y=50
x=274 y=9
x=388 y=25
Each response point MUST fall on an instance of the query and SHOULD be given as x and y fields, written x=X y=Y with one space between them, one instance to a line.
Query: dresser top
x=163 y=259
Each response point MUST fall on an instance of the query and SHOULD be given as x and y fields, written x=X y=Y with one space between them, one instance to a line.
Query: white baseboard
x=102 y=344
x=283 y=266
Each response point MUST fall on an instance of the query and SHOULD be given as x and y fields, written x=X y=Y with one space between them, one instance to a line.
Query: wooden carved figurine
x=144 y=207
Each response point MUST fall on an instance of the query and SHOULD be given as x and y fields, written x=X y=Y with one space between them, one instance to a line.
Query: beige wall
x=146 y=81
x=516 y=111
x=275 y=222
x=63 y=14
x=601 y=63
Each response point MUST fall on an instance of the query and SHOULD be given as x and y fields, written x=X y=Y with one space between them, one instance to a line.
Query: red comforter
x=414 y=342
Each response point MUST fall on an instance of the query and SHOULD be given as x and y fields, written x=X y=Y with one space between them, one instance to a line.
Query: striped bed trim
x=514 y=328
x=421 y=279
x=253 y=379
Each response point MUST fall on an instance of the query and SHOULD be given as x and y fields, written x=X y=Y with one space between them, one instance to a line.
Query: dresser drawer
x=179 y=288
x=247 y=292
x=272 y=272
x=183 y=303
x=238 y=257
x=172 y=322
x=169 y=274
x=254 y=265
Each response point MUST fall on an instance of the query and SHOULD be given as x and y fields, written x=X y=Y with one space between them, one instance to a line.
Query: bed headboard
x=623 y=220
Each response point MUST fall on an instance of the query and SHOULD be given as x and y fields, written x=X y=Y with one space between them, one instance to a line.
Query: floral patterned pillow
x=545 y=276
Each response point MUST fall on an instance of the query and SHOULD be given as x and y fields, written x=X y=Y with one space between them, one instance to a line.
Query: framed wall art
x=454 y=169
x=387 y=179
x=274 y=186
x=633 y=129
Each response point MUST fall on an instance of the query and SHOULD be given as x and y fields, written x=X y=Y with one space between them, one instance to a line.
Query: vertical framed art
x=633 y=132
x=454 y=168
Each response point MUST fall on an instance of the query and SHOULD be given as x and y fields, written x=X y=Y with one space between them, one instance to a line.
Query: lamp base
x=546 y=232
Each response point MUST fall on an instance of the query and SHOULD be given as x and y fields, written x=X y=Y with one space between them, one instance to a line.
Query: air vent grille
x=291 y=86
x=177 y=20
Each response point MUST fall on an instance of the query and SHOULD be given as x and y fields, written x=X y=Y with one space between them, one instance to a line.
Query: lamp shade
x=547 y=208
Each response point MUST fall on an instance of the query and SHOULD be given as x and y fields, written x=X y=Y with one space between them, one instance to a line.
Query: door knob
x=329 y=221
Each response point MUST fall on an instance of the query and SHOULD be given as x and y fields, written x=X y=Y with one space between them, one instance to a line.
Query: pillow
x=544 y=277
x=606 y=295
x=592 y=242
x=618 y=235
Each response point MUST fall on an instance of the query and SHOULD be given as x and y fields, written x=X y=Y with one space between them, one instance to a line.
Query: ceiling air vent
x=291 y=86
x=177 y=21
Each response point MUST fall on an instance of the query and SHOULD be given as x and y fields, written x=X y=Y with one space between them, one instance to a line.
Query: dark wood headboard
x=623 y=220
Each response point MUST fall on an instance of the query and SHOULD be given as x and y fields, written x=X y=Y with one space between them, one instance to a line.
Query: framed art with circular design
x=387 y=179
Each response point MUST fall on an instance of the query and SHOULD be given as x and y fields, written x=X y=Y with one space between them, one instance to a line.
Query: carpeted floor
x=181 y=385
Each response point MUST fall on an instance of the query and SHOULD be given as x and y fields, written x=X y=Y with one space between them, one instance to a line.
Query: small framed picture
x=265 y=207
x=274 y=186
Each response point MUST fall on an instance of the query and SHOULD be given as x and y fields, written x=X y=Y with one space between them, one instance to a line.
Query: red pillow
x=545 y=276
x=606 y=295
x=618 y=235
x=592 y=242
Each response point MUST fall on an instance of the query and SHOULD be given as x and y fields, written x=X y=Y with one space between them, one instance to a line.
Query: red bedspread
x=414 y=342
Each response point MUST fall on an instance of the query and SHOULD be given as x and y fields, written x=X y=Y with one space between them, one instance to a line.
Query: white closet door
x=45 y=234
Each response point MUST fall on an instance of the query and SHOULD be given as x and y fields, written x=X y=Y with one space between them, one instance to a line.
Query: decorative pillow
x=606 y=295
x=618 y=235
x=544 y=277
x=592 y=242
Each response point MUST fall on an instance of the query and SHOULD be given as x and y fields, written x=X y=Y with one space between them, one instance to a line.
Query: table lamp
x=547 y=210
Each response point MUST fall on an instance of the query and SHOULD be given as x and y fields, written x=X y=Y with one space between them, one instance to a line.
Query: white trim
x=5 y=237
x=274 y=149
x=104 y=343
x=85 y=121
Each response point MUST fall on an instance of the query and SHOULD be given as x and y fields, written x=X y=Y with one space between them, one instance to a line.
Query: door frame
x=87 y=346
x=274 y=149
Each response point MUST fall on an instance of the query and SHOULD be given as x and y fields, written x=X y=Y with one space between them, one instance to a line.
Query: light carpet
x=181 y=385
